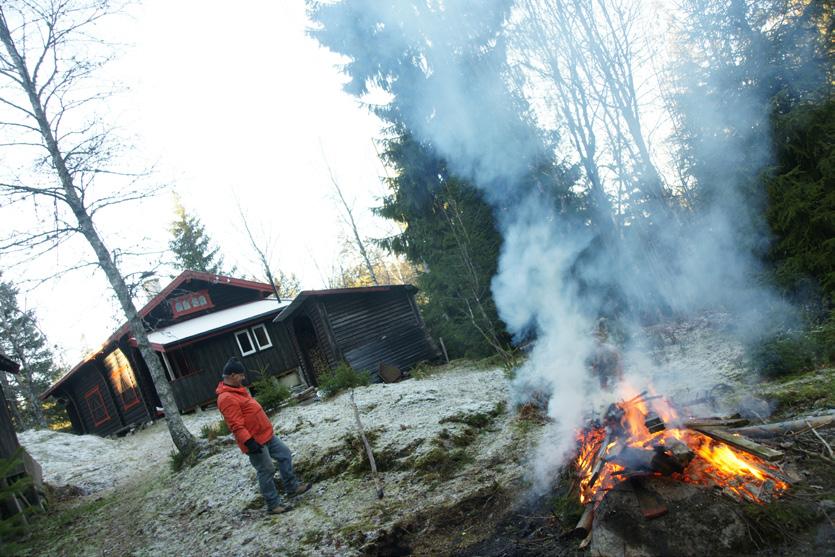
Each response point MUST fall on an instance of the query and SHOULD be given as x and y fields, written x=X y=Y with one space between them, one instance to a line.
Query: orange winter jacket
x=244 y=416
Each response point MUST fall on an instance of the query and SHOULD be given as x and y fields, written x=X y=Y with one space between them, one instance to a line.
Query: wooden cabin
x=370 y=328
x=194 y=325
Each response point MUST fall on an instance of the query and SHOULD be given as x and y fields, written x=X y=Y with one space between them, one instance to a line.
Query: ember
x=642 y=437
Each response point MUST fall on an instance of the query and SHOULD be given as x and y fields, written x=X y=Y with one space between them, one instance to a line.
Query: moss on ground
x=801 y=392
x=441 y=464
x=477 y=419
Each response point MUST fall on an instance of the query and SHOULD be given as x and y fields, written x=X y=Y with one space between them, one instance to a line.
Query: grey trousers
x=263 y=462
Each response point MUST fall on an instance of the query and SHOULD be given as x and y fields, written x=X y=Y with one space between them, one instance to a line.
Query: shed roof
x=302 y=298
x=218 y=320
x=7 y=364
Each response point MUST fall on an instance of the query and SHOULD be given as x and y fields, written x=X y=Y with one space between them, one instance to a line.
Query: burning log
x=672 y=457
x=741 y=443
x=654 y=423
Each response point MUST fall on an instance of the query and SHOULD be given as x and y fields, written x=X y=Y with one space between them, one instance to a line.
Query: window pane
x=244 y=342
x=262 y=339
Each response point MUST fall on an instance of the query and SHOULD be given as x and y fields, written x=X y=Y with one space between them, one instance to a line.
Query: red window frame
x=190 y=303
x=88 y=397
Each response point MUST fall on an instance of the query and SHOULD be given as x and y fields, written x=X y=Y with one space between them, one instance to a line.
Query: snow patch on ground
x=95 y=463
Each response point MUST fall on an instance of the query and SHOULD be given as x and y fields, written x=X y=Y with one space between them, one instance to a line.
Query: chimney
x=151 y=287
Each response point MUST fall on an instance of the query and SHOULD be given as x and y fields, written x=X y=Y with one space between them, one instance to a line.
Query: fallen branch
x=812 y=453
x=782 y=428
x=821 y=439
x=370 y=454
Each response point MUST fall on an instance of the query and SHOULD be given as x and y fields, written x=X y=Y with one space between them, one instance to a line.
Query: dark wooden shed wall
x=367 y=328
x=378 y=327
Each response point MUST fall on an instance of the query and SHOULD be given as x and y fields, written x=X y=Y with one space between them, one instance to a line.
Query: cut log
x=649 y=501
x=739 y=442
x=781 y=428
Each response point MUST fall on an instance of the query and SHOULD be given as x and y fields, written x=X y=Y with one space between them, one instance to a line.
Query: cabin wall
x=378 y=327
x=206 y=359
x=84 y=385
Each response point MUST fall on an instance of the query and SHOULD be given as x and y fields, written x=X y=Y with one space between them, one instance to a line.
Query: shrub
x=784 y=354
x=342 y=378
x=213 y=431
x=270 y=393
x=178 y=460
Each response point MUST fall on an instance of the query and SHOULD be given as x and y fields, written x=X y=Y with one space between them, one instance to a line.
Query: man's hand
x=252 y=446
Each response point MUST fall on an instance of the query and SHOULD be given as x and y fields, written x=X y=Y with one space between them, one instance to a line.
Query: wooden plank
x=740 y=442
x=716 y=422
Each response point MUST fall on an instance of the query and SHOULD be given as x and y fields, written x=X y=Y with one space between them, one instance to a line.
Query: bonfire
x=645 y=436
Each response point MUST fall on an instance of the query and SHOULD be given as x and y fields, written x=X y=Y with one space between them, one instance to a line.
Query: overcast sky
x=229 y=105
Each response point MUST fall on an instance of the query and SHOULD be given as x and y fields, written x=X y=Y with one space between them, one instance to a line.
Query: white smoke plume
x=453 y=92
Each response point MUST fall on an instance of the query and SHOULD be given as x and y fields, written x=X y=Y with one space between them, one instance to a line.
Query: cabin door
x=314 y=358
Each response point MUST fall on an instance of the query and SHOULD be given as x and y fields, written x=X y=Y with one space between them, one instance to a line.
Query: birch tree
x=48 y=62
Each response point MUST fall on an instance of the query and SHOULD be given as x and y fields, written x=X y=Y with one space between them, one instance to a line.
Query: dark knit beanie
x=233 y=365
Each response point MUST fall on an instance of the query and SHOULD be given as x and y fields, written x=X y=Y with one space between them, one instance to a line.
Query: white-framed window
x=262 y=338
x=245 y=343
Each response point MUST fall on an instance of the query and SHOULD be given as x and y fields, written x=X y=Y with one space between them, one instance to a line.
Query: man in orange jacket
x=254 y=433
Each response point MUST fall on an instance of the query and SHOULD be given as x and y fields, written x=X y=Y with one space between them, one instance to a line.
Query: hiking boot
x=279 y=509
x=301 y=488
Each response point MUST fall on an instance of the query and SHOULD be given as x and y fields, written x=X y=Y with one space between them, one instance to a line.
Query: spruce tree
x=192 y=246
x=22 y=340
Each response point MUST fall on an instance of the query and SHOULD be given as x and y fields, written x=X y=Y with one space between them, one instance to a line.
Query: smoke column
x=452 y=90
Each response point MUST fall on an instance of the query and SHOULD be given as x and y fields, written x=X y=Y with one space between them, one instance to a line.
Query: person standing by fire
x=255 y=436
x=605 y=360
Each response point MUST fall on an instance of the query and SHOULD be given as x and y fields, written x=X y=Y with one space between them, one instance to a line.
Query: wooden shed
x=366 y=327
x=9 y=446
x=194 y=325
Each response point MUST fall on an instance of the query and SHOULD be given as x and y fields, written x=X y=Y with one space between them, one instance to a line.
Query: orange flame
x=714 y=464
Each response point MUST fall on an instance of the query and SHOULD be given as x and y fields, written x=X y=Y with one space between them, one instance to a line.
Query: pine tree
x=192 y=246
x=22 y=340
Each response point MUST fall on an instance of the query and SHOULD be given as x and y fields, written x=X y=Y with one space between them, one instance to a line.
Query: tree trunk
x=27 y=386
x=182 y=438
